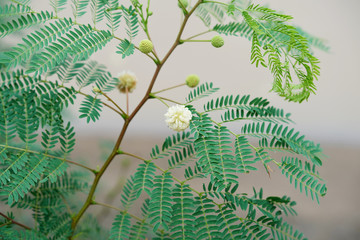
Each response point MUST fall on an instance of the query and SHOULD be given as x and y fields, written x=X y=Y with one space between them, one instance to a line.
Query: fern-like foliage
x=90 y=109
x=12 y=10
x=292 y=138
x=182 y=221
x=121 y=226
x=303 y=176
x=47 y=71
x=97 y=11
x=140 y=228
x=160 y=203
x=144 y=178
x=113 y=17
x=79 y=7
x=242 y=108
x=23 y=22
x=278 y=46
x=201 y=91
x=35 y=42
x=58 y=5
x=125 y=48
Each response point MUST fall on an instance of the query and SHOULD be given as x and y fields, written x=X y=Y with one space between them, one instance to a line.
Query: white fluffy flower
x=127 y=80
x=178 y=118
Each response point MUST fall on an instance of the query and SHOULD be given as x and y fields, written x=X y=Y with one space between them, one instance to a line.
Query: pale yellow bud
x=127 y=80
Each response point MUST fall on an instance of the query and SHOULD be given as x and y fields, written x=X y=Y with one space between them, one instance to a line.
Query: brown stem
x=108 y=98
x=127 y=100
x=15 y=222
x=114 y=152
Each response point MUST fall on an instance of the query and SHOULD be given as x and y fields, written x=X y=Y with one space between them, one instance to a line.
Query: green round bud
x=184 y=3
x=146 y=46
x=96 y=89
x=217 y=41
x=192 y=80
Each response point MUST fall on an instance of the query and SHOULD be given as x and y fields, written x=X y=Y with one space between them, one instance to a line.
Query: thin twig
x=169 y=88
x=48 y=155
x=110 y=99
x=15 y=222
x=114 y=152
x=118 y=209
x=127 y=100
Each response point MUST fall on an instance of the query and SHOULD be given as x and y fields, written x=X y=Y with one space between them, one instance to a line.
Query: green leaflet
x=292 y=139
x=160 y=203
x=229 y=222
x=144 y=177
x=244 y=156
x=125 y=48
x=24 y=22
x=129 y=194
x=14 y=10
x=81 y=43
x=209 y=11
x=113 y=17
x=213 y=151
x=304 y=177
x=172 y=143
x=131 y=20
x=90 y=109
x=35 y=42
x=79 y=7
x=97 y=11
x=178 y=148
x=182 y=220
x=280 y=47
x=58 y=5
x=206 y=220
x=201 y=91
x=139 y=229
x=121 y=227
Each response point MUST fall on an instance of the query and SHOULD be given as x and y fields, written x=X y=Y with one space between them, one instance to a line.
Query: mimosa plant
x=50 y=69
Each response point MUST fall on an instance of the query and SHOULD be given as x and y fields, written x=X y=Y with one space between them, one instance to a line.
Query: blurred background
x=331 y=117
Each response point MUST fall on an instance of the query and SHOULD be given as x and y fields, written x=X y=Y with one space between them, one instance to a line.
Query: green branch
x=114 y=152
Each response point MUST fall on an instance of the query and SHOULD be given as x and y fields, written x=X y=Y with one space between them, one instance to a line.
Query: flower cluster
x=178 y=118
x=127 y=80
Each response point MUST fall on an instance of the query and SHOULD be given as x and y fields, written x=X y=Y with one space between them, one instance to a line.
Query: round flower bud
x=178 y=118
x=127 y=80
x=192 y=80
x=217 y=41
x=146 y=46
x=184 y=3
x=96 y=89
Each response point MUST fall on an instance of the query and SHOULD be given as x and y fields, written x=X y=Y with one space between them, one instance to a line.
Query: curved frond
x=144 y=178
x=24 y=21
x=303 y=177
x=125 y=48
x=182 y=220
x=160 y=203
x=298 y=144
x=206 y=220
x=172 y=143
x=201 y=91
x=97 y=11
x=121 y=226
x=90 y=108
x=36 y=41
x=58 y=5
x=14 y=10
